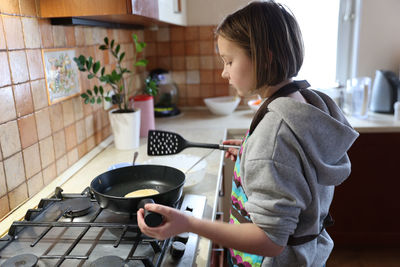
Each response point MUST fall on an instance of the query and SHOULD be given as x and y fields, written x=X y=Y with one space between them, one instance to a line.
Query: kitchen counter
x=241 y=119
x=197 y=125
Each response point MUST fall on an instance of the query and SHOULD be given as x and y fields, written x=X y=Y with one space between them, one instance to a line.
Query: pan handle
x=152 y=219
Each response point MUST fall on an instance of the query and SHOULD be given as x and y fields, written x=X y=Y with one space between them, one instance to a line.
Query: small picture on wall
x=62 y=74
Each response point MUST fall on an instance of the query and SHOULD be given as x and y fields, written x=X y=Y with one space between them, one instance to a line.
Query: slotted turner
x=162 y=143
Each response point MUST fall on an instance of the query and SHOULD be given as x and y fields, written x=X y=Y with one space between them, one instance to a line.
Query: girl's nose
x=224 y=74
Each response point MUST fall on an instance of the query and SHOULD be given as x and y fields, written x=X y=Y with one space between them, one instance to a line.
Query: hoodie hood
x=327 y=145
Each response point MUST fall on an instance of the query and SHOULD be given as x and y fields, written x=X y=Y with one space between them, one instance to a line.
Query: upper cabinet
x=134 y=12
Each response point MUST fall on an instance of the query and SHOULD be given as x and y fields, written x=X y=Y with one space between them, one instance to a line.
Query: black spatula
x=162 y=143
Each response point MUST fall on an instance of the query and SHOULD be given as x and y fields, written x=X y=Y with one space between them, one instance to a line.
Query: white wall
x=210 y=12
x=378 y=35
x=166 y=11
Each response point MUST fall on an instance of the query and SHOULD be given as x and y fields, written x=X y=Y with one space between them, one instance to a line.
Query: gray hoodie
x=292 y=161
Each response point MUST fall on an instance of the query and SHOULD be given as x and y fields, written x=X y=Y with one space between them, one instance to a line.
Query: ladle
x=135 y=155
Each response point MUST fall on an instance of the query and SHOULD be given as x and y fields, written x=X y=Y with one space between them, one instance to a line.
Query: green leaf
x=101 y=89
x=96 y=67
x=78 y=61
x=84 y=95
x=103 y=69
x=104 y=78
x=135 y=38
x=142 y=62
x=87 y=100
x=108 y=99
x=112 y=44
x=121 y=57
x=89 y=63
x=90 y=76
x=117 y=49
x=82 y=59
x=92 y=100
x=96 y=90
x=103 y=47
x=140 y=46
x=115 y=77
x=106 y=40
x=99 y=100
x=151 y=87
x=89 y=92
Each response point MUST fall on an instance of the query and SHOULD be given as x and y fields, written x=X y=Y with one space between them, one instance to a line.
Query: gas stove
x=73 y=230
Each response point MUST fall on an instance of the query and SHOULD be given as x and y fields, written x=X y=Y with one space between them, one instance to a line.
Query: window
x=318 y=22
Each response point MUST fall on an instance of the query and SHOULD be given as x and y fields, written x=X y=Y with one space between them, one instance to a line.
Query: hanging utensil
x=167 y=143
x=135 y=155
x=197 y=162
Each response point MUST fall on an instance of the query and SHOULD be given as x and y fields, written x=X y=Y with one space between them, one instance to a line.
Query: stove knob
x=177 y=249
x=182 y=237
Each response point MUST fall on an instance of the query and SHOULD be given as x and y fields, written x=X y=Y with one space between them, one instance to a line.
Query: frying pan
x=109 y=189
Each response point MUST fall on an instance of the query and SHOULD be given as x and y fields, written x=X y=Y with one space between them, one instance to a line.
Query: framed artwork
x=61 y=73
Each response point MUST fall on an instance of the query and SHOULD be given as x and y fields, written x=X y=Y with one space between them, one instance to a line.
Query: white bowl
x=223 y=105
x=119 y=165
x=183 y=162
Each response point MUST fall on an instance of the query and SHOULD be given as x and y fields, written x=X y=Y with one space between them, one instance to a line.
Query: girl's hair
x=271 y=37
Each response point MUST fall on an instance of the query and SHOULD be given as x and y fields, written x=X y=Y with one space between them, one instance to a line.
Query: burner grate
x=90 y=228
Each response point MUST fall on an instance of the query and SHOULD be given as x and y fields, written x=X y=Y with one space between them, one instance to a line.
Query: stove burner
x=107 y=261
x=77 y=207
x=23 y=260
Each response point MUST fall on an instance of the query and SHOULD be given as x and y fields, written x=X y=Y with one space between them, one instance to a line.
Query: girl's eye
x=229 y=63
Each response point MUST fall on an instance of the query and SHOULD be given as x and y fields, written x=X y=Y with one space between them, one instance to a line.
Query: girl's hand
x=175 y=222
x=232 y=152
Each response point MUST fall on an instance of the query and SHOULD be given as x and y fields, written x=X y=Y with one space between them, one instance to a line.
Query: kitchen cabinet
x=366 y=206
x=141 y=12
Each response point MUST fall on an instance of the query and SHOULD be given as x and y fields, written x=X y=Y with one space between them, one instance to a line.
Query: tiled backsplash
x=40 y=141
x=190 y=54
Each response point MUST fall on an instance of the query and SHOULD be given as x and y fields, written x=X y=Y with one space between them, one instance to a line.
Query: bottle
x=146 y=104
x=397 y=111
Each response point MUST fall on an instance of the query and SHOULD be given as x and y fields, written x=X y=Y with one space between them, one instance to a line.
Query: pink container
x=146 y=105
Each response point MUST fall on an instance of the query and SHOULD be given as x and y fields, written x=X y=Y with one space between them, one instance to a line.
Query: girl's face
x=238 y=68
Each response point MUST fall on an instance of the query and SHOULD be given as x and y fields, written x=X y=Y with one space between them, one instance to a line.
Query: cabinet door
x=75 y=8
x=136 y=11
x=366 y=206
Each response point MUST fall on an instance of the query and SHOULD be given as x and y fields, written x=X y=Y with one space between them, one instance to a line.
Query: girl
x=293 y=155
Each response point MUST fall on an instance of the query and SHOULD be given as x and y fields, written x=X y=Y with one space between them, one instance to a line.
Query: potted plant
x=124 y=120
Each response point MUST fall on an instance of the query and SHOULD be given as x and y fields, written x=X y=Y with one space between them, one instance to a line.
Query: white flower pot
x=125 y=128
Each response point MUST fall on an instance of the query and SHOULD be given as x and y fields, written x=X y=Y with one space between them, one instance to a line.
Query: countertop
x=241 y=119
x=197 y=125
